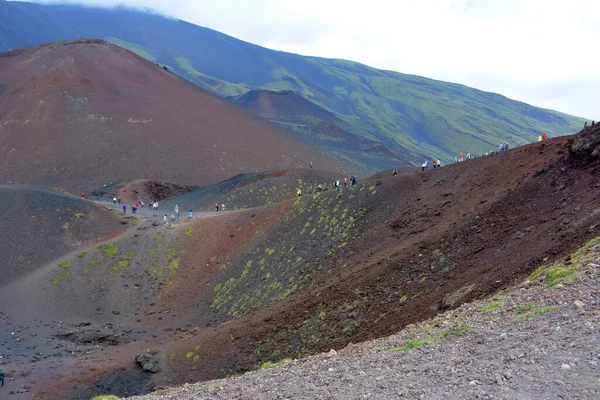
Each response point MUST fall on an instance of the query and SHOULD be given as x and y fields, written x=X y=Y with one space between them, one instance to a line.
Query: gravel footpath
x=535 y=341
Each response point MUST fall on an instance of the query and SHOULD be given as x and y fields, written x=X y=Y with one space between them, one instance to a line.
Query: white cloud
x=538 y=51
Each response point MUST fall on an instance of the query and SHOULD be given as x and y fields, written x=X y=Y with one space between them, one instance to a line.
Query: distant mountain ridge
x=416 y=117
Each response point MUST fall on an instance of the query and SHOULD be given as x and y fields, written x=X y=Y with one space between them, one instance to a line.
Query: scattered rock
x=453 y=300
x=578 y=305
x=565 y=367
x=150 y=360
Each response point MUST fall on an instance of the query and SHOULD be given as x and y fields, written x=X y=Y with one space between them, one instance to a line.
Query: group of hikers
x=176 y=216
x=135 y=207
x=436 y=164
x=323 y=188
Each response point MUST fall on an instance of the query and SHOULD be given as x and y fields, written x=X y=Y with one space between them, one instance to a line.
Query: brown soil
x=317 y=272
x=84 y=114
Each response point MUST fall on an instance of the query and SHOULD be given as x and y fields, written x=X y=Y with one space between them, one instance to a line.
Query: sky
x=543 y=52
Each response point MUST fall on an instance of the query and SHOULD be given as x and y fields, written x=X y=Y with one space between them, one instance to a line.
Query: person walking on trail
x=353 y=180
x=345 y=182
x=176 y=209
x=2 y=376
x=298 y=192
x=217 y=207
x=114 y=200
x=434 y=164
x=190 y=214
x=311 y=165
x=222 y=207
x=156 y=204
x=468 y=156
x=460 y=156
x=119 y=200
x=165 y=220
x=394 y=173
x=142 y=203
x=133 y=210
x=424 y=166
x=439 y=163
x=540 y=138
x=544 y=137
x=83 y=196
x=124 y=208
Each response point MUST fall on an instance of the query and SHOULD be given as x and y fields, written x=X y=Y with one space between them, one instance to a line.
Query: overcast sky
x=543 y=52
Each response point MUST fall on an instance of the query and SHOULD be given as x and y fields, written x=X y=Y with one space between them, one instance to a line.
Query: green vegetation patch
x=270 y=364
x=535 y=311
x=55 y=281
x=557 y=275
x=65 y=264
x=445 y=335
x=79 y=215
x=120 y=265
x=92 y=262
x=81 y=254
x=415 y=344
x=188 y=232
x=109 y=249
x=130 y=254
x=491 y=307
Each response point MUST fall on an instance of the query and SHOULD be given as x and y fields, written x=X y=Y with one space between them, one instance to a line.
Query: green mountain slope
x=418 y=117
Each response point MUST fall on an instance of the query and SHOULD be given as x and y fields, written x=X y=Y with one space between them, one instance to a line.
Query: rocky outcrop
x=585 y=146
x=150 y=360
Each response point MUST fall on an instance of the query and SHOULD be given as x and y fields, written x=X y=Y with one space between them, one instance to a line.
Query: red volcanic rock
x=81 y=114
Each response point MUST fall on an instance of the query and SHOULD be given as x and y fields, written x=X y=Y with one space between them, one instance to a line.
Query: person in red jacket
x=83 y=196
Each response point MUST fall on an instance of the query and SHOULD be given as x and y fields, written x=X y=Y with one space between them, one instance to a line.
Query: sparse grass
x=188 y=232
x=445 y=335
x=130 y=254
x=81 y=254
x=415 y=344
x=55 y=281
x=536 y=311
x=585 y=247
x=79 y=215
x=66 y=226
x=270 y=364
x=491 y=307
x=92 y=262
x=159 y=238
x=120 y=265
x=171 y=253
x=65 y=265
x=524 y=308
x=455 y=332
x=154 y=252
x=556 y=275
x=109 y=249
